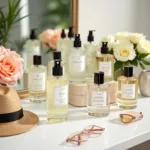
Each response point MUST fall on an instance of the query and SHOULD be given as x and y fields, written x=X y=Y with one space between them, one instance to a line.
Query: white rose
x=123 y=50
x=136 y=37
x=122 y=35
x=110 y=39
x=143 y=47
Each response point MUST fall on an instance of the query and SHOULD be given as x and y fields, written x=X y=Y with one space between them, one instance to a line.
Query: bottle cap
x=57 y=55
x=63 y=34
x=128 y=71
x=104 y=48
x=70 y=33
x=77 y=41
x=90 y=37
x=99 y=78
x=57 y=69
x=33 y=34
x=37 y=60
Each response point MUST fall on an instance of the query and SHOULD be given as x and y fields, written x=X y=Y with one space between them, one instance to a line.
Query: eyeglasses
x=131 y=117
x=82 y=136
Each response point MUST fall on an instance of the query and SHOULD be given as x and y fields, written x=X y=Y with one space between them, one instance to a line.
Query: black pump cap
x=57 y=55
x=99 y=78
x=63 y=34
x=104 y=48
x=33 y=34
x=77 y=41
x=70 y=33
x=90 y=36
x=57 y=69
x=37 y=60
x=128 y=71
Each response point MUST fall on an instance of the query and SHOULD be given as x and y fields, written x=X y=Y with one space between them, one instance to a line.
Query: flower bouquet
x=128 y=49
x=11 y=66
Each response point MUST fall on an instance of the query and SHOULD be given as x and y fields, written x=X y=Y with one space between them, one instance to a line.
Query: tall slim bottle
x=77 y=62
x=57 y=95
x=90 y=49
x=105 y=62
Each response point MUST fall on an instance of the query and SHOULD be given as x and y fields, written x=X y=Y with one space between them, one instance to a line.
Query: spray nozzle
x=33 y=34
x=70 y=33
x=104 y=48
x=63 y=34
x=77 y=41
x=90 y=36
x=57 y=69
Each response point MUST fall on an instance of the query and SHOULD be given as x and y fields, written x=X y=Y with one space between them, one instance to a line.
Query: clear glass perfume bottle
x=57 y=95
x=90 y=49
x=127 y=89
x=98 y=97
x=37 y=81
x=105 y=62
x=77 y=62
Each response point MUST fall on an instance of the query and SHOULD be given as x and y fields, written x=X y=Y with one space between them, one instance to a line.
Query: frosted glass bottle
x=77 y=62
x=57 y=95
x=37 y=81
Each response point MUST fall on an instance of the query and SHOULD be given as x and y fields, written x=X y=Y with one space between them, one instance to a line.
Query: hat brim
x=26 y=123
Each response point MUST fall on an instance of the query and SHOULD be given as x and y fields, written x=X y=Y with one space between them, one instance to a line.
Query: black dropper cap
x=104 y=48
x=128 y=71
x=77 y=41
x=99 y=78
x=90 y=37
x=33 y=34
x=63 y=34
x=70 y=33
x=57 y=55
x=37 y=60
x=57 y=69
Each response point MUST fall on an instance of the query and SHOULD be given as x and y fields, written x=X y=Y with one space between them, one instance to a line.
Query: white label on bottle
x=78 y=63
x=37 y=81
x=128 y=91
x=99 y=98
x=106 y=68
x=61 y=95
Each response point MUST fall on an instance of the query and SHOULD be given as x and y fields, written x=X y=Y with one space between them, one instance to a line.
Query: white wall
x=111 y=16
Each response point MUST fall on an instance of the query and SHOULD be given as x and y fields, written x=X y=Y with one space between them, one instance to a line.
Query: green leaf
x=134 y=62
x=145 y=62
x=142 y=66
x=118 y=65
x=21 y=18
x=142 y=56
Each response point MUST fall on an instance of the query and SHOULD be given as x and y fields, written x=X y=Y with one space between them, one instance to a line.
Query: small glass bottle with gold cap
x=127 y=89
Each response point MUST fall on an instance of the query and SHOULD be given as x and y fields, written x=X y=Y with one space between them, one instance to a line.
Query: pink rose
x=11 y=68
x=53 y=40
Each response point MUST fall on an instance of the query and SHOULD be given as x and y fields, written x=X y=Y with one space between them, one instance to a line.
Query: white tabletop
x=46 y=136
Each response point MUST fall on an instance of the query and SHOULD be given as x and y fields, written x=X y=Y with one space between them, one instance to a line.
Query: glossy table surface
x=47 y=136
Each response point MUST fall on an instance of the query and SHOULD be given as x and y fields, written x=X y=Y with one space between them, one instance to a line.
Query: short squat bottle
x=98 y=98
x=77 y=62
x=127 y=89
x=105 y=62
x=57 y=94
x=37 y=81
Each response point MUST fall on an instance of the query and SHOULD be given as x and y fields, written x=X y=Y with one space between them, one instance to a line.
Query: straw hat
x=13 y=119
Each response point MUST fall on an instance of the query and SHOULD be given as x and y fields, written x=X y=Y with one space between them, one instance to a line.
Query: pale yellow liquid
x=127 y=103
x=106 y=58
x=55 y=113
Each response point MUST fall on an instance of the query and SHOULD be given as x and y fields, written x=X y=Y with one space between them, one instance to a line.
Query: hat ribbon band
x=9 y=117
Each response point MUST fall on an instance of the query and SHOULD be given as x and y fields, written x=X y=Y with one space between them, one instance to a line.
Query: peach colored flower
x=11 y=68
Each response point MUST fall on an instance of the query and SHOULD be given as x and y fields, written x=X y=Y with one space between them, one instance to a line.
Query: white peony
x=122 y=35
x=124 y=50
x=110 y=39
x=136 y=37
x=143 y=47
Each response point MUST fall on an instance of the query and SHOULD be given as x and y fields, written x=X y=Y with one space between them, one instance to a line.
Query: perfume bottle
x=37 y=81
x=77 y=62
x=90 y=49
x=98 y=97
x=32 y=47
x=57 y=94
x=105 y=62
x=127 y=89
